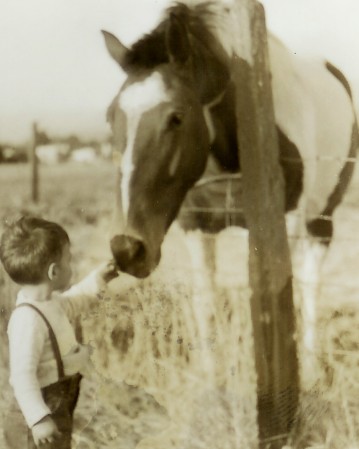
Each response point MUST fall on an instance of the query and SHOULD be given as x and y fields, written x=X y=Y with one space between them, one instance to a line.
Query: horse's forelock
x=148 y=52
x=201 y=19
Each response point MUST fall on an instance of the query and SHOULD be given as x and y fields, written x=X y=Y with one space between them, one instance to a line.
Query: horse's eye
x=175 y=120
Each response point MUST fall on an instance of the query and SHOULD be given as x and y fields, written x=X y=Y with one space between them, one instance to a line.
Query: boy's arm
x=27 y=333
x=86 y=293
x=88 y=286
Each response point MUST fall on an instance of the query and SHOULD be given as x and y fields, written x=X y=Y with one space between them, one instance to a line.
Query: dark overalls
x=61 y=398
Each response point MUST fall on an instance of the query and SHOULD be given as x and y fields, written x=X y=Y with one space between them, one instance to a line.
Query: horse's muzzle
x=131 y=255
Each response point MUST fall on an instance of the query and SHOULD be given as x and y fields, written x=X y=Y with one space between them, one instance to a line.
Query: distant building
x=52 y=153
x=86 y=155
x=106 y=150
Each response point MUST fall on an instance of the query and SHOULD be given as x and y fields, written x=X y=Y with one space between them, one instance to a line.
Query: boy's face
x=63 y=270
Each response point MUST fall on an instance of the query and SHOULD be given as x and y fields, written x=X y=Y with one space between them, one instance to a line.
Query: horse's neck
x=224 y=146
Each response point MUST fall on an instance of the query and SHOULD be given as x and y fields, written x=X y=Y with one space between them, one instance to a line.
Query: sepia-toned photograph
x=179 y=213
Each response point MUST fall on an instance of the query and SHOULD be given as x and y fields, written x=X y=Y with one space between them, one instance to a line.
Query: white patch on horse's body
x=135 y=101
x=202 y=293
x=310 y=256
x=304 y=92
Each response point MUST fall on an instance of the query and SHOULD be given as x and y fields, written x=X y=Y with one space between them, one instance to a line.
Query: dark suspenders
x=53 y=339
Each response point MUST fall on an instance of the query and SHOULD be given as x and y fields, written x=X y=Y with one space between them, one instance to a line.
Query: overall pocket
x=55 y=395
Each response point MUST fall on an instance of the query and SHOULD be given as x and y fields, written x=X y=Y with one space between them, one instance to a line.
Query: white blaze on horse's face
x=134 y=101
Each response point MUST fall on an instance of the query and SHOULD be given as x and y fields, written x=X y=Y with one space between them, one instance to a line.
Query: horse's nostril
x=126 y=250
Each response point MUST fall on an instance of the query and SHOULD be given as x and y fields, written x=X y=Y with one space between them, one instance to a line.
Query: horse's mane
x=200 y=21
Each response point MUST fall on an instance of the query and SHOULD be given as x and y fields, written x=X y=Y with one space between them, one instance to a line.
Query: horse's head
x=159 y=127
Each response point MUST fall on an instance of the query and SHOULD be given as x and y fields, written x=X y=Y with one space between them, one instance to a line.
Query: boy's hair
x=28 y=246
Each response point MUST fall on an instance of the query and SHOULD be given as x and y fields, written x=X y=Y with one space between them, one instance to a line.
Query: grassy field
x=73 y=192
x=173 y=365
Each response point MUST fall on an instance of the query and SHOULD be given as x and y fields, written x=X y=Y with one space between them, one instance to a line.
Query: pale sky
x=55 y=69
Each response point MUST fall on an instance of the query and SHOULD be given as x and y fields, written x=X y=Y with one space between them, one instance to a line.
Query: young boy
x=45 y=358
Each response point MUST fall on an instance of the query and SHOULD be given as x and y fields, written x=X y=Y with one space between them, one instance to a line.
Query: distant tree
x=73 y=141
x=42 y=138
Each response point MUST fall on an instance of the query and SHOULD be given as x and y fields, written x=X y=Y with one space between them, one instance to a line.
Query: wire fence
x=229 y=185
x=345 y=239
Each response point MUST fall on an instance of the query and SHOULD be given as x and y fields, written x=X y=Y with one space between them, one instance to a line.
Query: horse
x=176 y=110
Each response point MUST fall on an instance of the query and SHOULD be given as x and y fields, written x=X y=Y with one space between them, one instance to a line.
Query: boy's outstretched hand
x=45 y=431
x=109 y=271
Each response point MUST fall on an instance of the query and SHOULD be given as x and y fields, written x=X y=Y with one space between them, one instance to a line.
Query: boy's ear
x=52 y=270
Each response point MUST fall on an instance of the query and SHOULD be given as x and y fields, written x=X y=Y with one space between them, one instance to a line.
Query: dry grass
x=173 y=362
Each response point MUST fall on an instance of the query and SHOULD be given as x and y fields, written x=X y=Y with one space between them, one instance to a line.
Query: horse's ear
x=116 y=49
x=177 y=42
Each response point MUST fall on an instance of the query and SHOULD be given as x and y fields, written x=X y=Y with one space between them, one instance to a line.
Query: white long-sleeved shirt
x=32 y=361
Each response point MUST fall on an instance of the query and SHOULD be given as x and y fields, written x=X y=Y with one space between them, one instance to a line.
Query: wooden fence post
x=272 y=308
x=34 y=166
